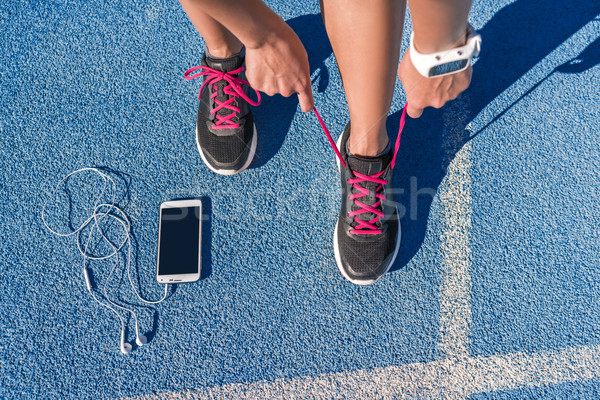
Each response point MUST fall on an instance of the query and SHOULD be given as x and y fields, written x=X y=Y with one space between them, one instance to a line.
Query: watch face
x=448 y=68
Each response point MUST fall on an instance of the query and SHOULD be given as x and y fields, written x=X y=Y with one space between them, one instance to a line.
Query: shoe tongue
x=368 y=166
x=225 y=65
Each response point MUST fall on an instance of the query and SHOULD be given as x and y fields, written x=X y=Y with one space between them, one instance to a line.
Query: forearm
x=251 y=21
x=439 y=24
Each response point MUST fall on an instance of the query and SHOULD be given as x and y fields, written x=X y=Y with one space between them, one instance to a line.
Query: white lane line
x=518 y=370
x=443 y=379
x=455 y=201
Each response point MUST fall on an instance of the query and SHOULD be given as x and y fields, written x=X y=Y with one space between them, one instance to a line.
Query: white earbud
x=141 y=340
x=125 y=347
x=88 y=281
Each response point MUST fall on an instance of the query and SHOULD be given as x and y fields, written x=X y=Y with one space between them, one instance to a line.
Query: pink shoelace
x=233 y=89
x=364 y=227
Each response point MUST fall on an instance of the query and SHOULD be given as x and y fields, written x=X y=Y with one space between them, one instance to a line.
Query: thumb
x=413 y=112
x=305 y=98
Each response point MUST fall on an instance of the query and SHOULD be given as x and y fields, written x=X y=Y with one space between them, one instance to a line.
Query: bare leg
x=219 y=40
x=365 y=36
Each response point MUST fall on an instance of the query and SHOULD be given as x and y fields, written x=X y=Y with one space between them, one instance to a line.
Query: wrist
x=433 y=41
x=270 y=32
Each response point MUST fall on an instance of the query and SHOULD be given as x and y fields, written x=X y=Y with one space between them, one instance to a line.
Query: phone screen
x=179 y=241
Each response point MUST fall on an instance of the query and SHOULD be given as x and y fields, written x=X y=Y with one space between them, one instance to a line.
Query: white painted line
x=444 y=379
x=455 y=201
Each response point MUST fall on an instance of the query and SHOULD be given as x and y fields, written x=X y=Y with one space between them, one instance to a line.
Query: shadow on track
x=516 y=38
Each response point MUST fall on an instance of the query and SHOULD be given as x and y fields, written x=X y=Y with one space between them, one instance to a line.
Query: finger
x=305 y=98
x=439 y=103
x=469 y=75
x=454 y=92
x=462 y=80
x=284 y=88
x=256 y=82
x=413 y=112
x=269 y=91
x=286 y=92
x=261 y=85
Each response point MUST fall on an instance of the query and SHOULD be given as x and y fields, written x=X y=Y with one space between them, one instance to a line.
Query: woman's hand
x=280 y=65
x=276 y=61
x=424 y=92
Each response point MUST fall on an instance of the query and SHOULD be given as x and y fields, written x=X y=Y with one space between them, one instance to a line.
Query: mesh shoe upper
x=366 y=240
x=225 y=127
x=367 y=236
x=225 y=150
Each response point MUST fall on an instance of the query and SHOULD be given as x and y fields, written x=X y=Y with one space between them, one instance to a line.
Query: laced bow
x=364 y=227
x=233 y=90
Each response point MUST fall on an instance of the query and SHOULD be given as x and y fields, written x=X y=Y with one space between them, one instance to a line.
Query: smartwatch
x=448 y=61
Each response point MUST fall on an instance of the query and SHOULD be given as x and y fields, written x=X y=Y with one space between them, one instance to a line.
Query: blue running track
x=496 y=290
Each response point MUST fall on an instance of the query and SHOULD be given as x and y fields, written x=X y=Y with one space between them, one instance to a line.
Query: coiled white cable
x=93 y=221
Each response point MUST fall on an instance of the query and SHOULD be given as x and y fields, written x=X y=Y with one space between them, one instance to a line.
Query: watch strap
x=456 y=59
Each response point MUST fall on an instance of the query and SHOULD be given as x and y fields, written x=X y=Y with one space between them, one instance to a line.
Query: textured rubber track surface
x=495 y=290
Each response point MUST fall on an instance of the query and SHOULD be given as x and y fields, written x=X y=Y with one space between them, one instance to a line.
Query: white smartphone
x=179 y=241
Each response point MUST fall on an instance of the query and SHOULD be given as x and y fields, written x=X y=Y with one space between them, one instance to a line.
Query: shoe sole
x=336 y=250
x=230 y=171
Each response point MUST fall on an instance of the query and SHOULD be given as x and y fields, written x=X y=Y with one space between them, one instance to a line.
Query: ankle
x=366 y=146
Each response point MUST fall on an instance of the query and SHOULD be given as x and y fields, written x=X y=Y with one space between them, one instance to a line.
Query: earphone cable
x=93 y=221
